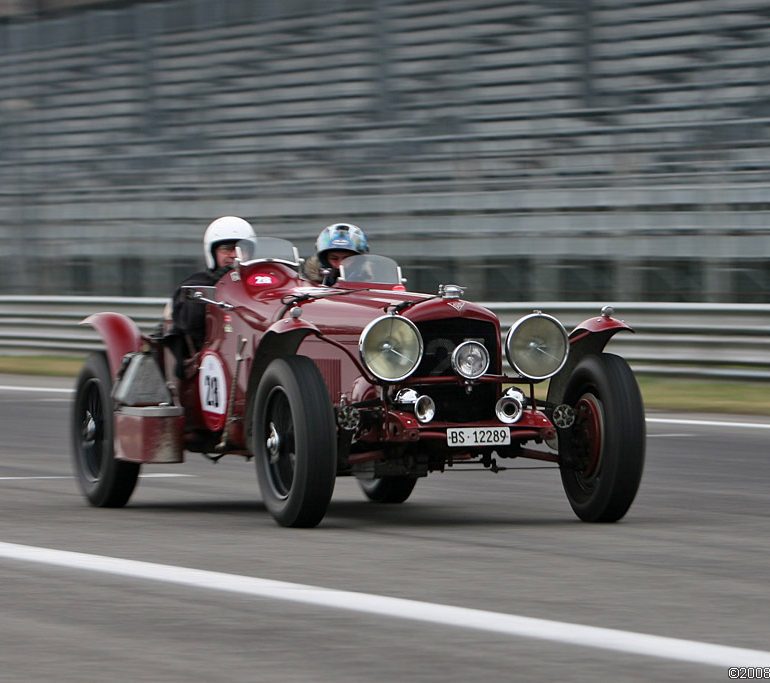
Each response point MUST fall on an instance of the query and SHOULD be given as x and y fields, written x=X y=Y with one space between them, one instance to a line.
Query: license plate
x=478 y=436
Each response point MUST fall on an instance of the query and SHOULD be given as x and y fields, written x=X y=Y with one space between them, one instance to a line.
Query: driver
x=189 y=317
x=335 y=243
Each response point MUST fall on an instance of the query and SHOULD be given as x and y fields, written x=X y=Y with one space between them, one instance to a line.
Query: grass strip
x=49 y=366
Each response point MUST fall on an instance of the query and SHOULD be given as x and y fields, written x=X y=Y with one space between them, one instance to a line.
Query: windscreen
x=267 y=248
x=370 y=268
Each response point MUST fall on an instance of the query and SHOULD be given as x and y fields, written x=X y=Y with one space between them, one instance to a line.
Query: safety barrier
x=684 y=339
x=51 y=324
x=696 y=340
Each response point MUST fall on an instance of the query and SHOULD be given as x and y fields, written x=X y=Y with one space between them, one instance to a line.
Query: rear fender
x=120 y=335
x=588 y=338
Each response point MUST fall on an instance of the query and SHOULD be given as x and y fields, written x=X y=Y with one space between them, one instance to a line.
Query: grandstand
x=537 y=149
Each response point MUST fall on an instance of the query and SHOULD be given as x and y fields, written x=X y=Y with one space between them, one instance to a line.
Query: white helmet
x=225 y=229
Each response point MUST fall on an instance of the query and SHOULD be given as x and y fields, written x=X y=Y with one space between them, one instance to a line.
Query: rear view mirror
x=202 y=293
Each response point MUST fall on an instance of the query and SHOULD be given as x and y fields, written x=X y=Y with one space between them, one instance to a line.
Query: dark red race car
x=359 y=379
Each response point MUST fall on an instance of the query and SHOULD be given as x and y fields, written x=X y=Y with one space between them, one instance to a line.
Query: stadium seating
x=582 y=119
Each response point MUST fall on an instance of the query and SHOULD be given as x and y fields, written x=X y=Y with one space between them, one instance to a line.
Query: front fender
x=282 y=338
x=292 y=325
x=588 y=338
x=598 y=325
x=120 y=335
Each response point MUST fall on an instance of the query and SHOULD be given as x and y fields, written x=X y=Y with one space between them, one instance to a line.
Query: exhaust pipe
x=510 y=407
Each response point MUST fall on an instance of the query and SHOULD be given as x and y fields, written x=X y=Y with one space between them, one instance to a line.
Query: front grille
x=440 y=338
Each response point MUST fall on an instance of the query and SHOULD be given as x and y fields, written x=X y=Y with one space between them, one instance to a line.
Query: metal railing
x=683 y=339
x=51 y=324
x=689 y=340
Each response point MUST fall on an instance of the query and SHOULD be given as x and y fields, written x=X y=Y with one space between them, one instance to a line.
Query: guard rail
x=689 y=340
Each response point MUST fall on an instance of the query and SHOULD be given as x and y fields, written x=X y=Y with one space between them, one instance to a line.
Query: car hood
x=351 y=310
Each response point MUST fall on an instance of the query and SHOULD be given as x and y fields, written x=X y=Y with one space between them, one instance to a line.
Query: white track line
x=151 y=475
x=44 y=390
x=708 y=423
x=445 y=615
x=26 y=478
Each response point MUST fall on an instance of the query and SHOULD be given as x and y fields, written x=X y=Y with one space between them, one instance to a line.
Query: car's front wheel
x=602 y=455
x=294 y=442
x=104 y=480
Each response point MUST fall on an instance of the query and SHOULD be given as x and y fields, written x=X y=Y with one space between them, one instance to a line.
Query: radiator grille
x=440 y=338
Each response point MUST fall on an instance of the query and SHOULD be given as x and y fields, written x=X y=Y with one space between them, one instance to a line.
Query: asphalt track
x=477 y=576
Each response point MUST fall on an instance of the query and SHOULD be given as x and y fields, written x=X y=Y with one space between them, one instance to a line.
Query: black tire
x=602 y=455
x=388 y=489
x=294 y=441
x=104 y=481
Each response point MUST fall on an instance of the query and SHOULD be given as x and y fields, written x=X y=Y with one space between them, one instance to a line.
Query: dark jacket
x=189 y=317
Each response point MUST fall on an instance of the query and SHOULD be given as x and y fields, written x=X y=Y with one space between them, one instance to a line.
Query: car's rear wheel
x=388 y=489
x=104 y=480
x=602 y=455
x=294 y=442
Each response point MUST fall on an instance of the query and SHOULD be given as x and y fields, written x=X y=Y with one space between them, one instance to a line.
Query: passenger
x=189 y=317
x=335 y=243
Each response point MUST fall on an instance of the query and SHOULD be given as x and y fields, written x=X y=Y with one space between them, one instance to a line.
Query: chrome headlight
x=537 y=346
x=391 y=347
x=470 y=359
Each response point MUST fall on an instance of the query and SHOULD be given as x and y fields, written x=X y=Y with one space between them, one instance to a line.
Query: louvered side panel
x=330 y=370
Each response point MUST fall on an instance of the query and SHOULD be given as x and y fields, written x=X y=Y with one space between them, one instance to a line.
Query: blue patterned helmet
x=340 y=237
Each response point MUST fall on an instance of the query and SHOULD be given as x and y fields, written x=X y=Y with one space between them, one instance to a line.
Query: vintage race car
x=363 y=379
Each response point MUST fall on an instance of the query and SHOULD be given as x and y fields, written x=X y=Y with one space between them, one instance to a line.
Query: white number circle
x=211 y=385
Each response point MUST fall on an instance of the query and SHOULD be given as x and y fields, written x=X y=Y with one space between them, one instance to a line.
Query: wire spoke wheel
x=293 y=438
x=279 y=443
x=104 y=481
x=588 y=441
x=602 y=454
x=92 y=430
